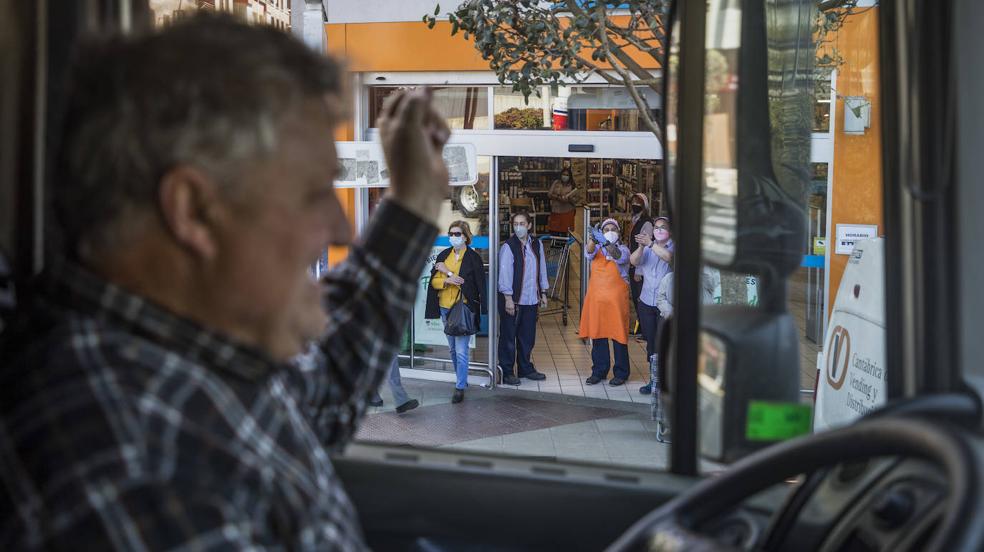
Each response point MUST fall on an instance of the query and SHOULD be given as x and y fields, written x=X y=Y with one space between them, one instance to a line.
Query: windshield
x=562 y=250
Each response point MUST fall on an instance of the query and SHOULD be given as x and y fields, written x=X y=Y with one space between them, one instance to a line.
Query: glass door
x=426 y=349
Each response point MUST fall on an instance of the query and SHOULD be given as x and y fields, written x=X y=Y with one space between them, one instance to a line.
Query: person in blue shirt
x=654 y=260
x=522 y=286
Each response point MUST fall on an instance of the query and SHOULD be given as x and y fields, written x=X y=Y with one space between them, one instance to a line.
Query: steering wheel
x=674 y=526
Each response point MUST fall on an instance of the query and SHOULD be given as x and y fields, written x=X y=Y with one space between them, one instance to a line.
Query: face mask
x=457 y=241
x=612 y=237
x=520 y=231
x=636 y=209
x=661 y=234
x=565 y=178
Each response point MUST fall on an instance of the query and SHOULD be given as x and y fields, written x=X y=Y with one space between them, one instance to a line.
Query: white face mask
x=457 y=241
x=565 y=178
x=520 y=231
x=612 y=237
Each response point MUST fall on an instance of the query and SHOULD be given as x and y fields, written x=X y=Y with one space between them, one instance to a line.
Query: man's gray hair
x=208 y=91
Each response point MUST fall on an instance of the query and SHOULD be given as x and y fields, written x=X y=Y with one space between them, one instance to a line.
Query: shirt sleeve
x=648 y=258
x=624 y=259
x=506 y=270
x=437 y=280
x=590 y=256
x=664 y=296
x=368 y=299
x=544 y=283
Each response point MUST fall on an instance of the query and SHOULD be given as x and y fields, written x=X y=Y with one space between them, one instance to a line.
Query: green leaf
x=437 y=10
x=430 y=24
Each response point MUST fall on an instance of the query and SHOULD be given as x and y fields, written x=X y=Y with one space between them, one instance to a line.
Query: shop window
x=515 y=112
x=463 y=107
x=572 y=108
x=602 y=108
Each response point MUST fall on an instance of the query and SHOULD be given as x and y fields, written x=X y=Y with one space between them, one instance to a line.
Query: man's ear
x=187 y=199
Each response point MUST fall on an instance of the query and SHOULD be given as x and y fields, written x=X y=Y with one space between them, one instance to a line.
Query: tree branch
x=641 y=103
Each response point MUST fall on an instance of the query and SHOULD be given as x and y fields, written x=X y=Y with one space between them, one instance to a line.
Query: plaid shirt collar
x=73 y=286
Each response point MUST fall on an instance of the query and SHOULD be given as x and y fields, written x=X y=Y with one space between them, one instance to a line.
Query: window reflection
x=463 y=107
x=591 y=108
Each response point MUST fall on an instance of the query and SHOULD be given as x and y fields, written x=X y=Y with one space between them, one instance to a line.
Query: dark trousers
x=517 y=332
x=635 y=288
x=600 y=361
x=650 y=320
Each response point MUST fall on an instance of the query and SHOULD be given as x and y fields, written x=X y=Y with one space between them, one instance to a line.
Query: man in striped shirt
x=148 y=396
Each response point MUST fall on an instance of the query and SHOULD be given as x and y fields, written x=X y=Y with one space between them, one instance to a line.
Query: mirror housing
x=748 y=361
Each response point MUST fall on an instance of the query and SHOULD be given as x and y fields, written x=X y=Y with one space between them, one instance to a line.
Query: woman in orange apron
x=605 y=315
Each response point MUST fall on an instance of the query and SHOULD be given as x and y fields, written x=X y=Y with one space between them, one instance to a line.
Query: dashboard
x=884 y=504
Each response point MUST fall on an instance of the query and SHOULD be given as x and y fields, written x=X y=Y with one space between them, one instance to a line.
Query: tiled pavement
x=513 y=422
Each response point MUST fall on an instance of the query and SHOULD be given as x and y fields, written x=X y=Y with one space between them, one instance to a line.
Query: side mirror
x=747 y=397
x=744 y=401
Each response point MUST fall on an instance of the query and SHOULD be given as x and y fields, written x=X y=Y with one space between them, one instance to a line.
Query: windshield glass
x=566 y=239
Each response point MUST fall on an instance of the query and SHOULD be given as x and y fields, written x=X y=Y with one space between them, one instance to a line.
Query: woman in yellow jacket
x=458 y=270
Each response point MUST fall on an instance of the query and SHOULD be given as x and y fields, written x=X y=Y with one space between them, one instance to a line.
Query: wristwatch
x=450 y=273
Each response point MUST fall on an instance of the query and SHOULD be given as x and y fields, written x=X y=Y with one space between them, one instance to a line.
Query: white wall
x=375 y=11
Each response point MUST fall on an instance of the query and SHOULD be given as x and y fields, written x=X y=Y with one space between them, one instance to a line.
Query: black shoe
x=376 y=402
x=616 y=381
x=534 y=375
x=458 y=396
x=511 y=380
x=646 y=389
x=592 y=380
x=407 y=406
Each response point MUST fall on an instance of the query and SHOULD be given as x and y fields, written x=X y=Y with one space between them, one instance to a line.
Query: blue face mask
x=457 y=241
x=520 y=231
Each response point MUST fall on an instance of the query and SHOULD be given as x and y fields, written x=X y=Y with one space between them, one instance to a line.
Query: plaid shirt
x=125 y=427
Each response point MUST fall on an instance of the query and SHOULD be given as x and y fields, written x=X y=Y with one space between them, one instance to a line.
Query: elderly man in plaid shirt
x=147 y=397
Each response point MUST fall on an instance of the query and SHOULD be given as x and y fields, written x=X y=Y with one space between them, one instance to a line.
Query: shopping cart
x=557 y=251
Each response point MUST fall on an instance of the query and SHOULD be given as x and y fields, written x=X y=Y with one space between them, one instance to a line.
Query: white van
x=851 y=368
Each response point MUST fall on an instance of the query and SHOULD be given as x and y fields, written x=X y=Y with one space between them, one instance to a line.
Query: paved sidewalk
x=521 y=423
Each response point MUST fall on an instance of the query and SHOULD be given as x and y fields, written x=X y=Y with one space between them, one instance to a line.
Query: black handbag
x=460 y=320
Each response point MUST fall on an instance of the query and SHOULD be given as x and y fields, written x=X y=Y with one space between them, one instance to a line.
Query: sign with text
x=850 y=234
x=363 y=165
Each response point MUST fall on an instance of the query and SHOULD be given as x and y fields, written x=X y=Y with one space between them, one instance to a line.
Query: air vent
x=402 y=457
x=469 y=463
x=543 y=470
x=619 y=478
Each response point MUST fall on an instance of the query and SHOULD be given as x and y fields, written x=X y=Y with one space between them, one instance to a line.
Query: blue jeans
x=601 y=362
x=458 y=349
x=396 y=384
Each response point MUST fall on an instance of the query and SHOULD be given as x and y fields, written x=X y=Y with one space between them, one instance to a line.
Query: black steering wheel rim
x=950 y=449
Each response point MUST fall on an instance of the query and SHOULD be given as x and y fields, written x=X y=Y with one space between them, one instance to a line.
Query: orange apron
x=606 y=306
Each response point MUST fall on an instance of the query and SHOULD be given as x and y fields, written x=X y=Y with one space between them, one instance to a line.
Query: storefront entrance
x=601 y=189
